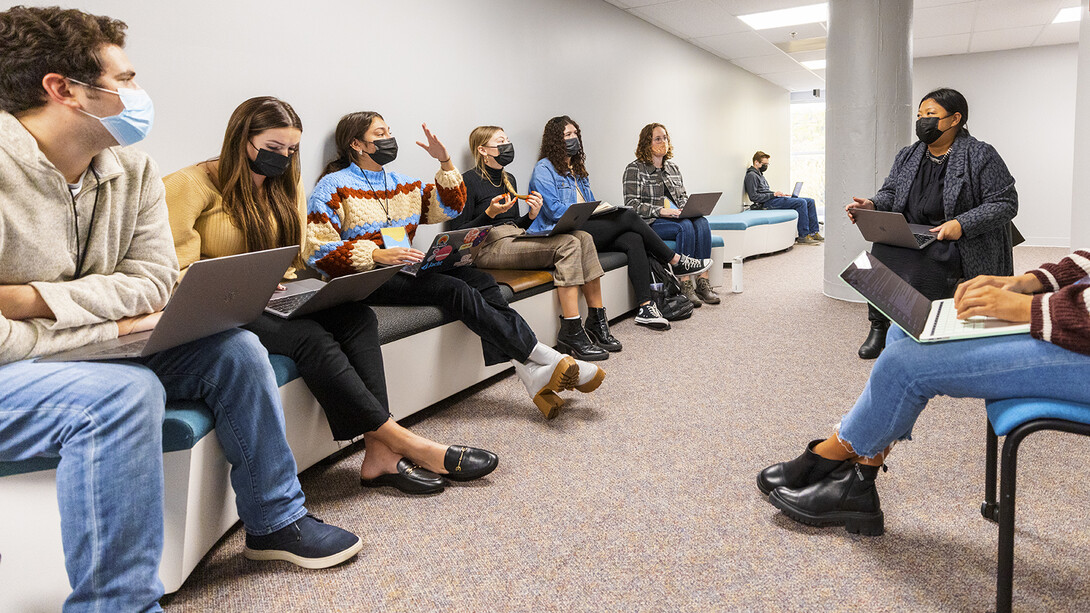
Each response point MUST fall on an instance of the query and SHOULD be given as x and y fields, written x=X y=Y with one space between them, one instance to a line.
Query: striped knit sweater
x=1061 y=316
x=347 y=209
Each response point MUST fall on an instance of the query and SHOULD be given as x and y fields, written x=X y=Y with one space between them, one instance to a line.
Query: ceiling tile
x=944 y=20
x=1002 y=14
x=1009 y=38
x=1058 y=34
x=691 y=18
x=737 y=45
x=940 y=45
x=806 y=56
x=799 y=80
x=746 y=7
x=767 y=64
x=628 y=4
x=799 y=32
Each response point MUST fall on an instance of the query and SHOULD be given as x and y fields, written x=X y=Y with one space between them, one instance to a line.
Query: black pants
x=471 y=296
x=627 y=232
x=338 y=355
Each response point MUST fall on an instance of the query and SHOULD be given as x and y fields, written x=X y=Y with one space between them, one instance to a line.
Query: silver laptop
x=798 y=190
x=311 y=295
x=925 y=320
x=214 y=295
x=891 y=228
x=570 y=221
x=700 y=205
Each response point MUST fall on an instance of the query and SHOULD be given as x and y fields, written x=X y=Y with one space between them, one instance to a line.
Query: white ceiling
x=940 y=27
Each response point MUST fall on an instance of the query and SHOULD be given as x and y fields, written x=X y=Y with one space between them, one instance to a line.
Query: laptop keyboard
x=287 y=304
x=923 y=238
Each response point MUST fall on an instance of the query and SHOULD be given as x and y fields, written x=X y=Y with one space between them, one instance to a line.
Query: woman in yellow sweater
x=250 y=199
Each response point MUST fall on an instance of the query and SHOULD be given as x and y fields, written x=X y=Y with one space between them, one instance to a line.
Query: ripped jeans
x=908 y=374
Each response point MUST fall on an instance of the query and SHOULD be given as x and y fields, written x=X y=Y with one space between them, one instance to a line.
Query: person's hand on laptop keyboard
x=139 y=323
x=397 y=255
x=986 y=296
x=948 y=231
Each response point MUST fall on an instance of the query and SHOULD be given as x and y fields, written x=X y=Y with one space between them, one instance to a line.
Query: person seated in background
x=491 y=201
x=762 y=197
x=561 y=178
x=356 y=197
x=970 y=215
x=654 y=188
x=250 y=199
x=98 y=266
x=832 y=482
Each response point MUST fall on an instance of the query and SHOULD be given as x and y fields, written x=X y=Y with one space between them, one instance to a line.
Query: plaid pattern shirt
x=645 y=187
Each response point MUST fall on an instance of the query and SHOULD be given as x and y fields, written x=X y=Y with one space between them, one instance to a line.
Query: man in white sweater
x=86 y=254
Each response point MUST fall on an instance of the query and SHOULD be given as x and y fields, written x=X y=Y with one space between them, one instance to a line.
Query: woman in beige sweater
x=249 y=199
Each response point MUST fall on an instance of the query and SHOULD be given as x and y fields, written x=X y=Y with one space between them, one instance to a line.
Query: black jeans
x=338 y=355
x=627 y=232
x=471 y=296
x=936 y=280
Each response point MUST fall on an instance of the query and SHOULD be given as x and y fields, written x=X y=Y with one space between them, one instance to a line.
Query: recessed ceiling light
x=813 y=13
x=814 y=64
x=1068 y=15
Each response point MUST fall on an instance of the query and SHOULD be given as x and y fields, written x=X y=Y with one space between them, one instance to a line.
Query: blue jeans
x=104 y=421
x=693 y=236
x=808 y=221
x=908 y=374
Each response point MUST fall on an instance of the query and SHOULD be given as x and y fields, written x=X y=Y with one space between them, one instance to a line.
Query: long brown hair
x=552 y=147
x=351 y=127
x=643 y=145
x=479 y=137
x=249 y=206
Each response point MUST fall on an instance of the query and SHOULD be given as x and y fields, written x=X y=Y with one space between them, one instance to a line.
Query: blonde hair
x=479 y=137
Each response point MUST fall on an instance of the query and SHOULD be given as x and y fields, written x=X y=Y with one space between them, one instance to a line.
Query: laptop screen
x=798 y=190
x=891 y=294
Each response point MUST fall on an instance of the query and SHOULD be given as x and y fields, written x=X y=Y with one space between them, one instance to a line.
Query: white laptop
x=925 y=320
x=214 y=295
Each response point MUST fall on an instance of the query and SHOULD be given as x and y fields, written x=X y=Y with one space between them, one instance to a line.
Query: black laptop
x=570 y=221
x=700 y=205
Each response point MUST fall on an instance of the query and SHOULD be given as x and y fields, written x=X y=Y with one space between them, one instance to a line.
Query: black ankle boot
x=597 y=327
x=572 y=339
x=876 y=340
x=846 y=497
x=802 y=471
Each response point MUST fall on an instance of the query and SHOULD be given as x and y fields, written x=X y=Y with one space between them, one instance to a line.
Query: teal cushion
x=717 y=241
x=284 y=368
x=1009 y=413
x=185 y=423
x=748 y=219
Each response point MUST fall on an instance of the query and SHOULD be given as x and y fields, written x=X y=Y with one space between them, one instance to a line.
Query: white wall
x=455 y=65
x=1022 y=102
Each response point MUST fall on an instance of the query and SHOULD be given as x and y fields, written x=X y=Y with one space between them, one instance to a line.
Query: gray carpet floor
x=641 y=496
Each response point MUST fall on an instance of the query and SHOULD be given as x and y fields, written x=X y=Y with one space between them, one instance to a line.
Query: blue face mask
x=134 y=123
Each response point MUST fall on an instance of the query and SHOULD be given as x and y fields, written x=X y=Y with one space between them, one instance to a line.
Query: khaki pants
x=572 y=257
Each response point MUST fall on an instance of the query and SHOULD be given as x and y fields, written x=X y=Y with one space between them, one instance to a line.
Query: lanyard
x=81 y=253
x=385 y=205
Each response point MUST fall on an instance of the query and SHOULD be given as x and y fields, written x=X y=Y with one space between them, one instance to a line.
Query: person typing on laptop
x=356 y=197
x=762 y=197
x=87 y=257
x=957 y=185
x=654 y=188
x=491 y=199
x=832 y=482
x=249 y=198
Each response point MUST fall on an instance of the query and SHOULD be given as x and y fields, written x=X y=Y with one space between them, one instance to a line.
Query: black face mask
x=269 y=163
x=572 y=146
x=385 y=151
x=927 y=129
x=506 y=154
x=763 y=167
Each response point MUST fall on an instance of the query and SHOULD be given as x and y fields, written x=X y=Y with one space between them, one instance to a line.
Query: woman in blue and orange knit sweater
x=356 y=197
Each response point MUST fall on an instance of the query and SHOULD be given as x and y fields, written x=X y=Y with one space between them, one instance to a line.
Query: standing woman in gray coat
x=960 y=187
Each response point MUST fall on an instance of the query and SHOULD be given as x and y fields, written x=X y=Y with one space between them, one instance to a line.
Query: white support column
x=1080 y=210
x=868 y=116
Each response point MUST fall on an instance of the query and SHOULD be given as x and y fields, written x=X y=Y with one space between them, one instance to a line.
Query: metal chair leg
x=989 y=509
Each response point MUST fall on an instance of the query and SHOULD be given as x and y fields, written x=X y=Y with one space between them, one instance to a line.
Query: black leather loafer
x=410 y=479
x=469 y=463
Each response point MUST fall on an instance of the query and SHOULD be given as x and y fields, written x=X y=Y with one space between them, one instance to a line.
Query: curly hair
x=250 y=207
x=643 y=145
x=552 y=147
x=36 y=41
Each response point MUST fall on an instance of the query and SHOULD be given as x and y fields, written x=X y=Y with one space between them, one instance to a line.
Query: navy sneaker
x=309 y=543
